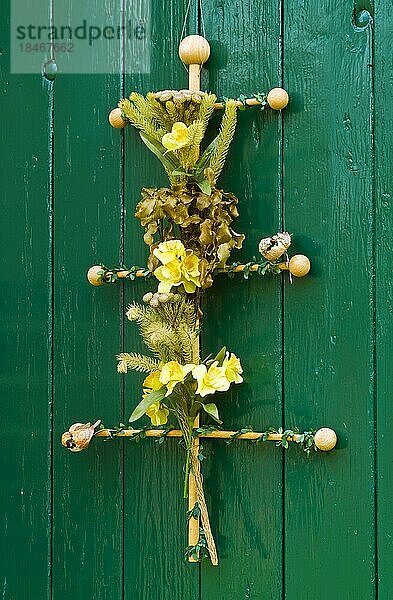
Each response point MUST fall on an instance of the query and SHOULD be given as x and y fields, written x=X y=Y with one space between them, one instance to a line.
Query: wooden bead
x=116 y=120
x=95 y=275
x=277 y=98
x=194 y=50
x=299 y=265
x=325 y=439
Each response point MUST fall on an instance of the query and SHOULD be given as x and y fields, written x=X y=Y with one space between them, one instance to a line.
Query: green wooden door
x=109 y=523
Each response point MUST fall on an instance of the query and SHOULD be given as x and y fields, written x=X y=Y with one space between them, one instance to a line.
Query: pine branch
x=159 y=112
x=136 y=362
x=225 y=136
x=138 y=112
x=206 y=109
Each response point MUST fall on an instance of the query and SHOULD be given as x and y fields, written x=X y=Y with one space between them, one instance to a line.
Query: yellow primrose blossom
x=190 y=274
x=153 y=382
x=178 y=138
x=158 y=413
x=173 y=373
x=169 y=251
x=233 y=368
x=210 y=380
x=180 y=267
x=168 y=275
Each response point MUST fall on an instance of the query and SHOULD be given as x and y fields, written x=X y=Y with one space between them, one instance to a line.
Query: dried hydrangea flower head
x=179 y=96
x=273 y=247
x=78 y=436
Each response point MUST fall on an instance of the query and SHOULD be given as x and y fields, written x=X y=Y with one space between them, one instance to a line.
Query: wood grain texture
x=88 y=500
x=328 y=326
x=155 y=514
x=286 y=527
x=243 y=482
x=384 y=292
x=26 y=313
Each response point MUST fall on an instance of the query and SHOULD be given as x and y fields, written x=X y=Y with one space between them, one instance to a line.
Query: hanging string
x=184 y=27
x=202 y=19
x=185 y=23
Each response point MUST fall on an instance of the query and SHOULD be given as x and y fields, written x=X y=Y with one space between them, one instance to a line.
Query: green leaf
x=142 y=407
x=179 y=172
x=212 y=410
x=168 y=159
x=221 y=355
x=204 y=186
x=201 y=164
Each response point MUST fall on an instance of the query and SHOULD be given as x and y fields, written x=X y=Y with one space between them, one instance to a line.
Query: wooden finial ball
x=325 y=439
x=194 y=50
x=94 y=275
x=116 y=120
x=299 y=265
x=277 y=98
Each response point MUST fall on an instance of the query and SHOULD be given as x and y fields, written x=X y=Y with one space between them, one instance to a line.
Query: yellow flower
x=233 y=368
x=173 y=373
x=180 y=267
x=153 y=382
x=168 y=275
x=190 y=272
x=169 y=251
x=158 y=413
x=210 y=381
x=178 y=138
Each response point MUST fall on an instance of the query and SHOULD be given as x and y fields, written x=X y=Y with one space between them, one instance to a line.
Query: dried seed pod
x=154 y=302
x=277 y=98
x=163 y=298
x=196 y=98
x=299 y=265
x=325 y=439
x=95 y=275
x=178 y=98
x=78 y=436
x=115 y=118
x=273 y=247
x=147 y=297
x=166 y=95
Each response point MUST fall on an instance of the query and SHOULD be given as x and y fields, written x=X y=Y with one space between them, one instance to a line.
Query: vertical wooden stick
x=194 y=50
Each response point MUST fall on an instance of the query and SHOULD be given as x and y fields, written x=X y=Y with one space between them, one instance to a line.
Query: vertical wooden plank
x=329 y=331
x=243 y=482
x=88 y=534
x=155 y=523
x=26 y=312
x=384 y=291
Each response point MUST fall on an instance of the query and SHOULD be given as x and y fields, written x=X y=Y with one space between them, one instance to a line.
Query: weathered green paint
x=109 y=523
x=26 y=317
x=88 y=493
x=328 y=317
x=383 y=127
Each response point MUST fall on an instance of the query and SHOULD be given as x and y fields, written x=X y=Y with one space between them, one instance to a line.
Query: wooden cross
x=194 y=51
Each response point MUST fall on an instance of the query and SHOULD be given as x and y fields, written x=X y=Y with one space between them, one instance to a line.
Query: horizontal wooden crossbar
x=99 y=275
x=325 y=439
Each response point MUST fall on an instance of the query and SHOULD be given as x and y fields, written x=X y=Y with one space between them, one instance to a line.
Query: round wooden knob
x=299 y=265
x=277 y=98
x=95 y=275
x=194 y=50
x=116 y=120
x=325 y=439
